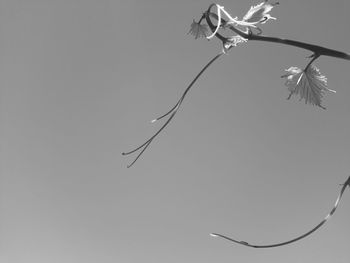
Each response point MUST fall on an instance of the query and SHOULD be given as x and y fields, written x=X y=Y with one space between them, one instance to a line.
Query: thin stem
x=314 y=57
x=202 y=17
x=172 y=111
x=328 y=216
x=145 y=145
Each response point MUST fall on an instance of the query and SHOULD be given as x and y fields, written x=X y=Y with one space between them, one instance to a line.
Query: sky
x=80 y=81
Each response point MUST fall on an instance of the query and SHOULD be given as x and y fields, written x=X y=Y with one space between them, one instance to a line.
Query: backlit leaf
x=310 y=85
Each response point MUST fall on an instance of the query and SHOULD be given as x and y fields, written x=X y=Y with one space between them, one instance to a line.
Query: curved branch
x=244 y=243
x=171 y=112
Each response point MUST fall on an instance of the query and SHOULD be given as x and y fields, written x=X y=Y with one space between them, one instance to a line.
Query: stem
x=314 y=57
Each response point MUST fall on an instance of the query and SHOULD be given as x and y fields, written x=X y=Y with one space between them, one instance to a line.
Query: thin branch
x=244 y=243
x=321 y=51
x=172 y=111
x=313 y=48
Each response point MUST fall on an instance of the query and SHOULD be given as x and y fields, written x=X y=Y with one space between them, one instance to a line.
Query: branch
x=319 y=50
x=330 y=214
x=313 y=48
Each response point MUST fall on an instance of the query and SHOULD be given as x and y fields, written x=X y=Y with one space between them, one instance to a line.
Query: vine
x=308 y=82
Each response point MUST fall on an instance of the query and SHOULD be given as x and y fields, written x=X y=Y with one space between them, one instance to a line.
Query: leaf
x=310 y=85
x=233 y=42
x=198 y=30
x=259 y=13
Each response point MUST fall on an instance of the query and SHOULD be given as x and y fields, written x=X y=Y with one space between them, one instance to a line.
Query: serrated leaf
x=259 y=13
x=310 y=85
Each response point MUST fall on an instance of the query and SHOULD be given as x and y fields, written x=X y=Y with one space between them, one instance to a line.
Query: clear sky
x=81 y=79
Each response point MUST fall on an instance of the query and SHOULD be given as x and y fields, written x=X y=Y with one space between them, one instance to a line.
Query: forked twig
x=171 y=112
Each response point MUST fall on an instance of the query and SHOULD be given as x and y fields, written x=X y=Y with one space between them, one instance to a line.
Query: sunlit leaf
x=259 y=13
x=233 y=42
x=310 y=85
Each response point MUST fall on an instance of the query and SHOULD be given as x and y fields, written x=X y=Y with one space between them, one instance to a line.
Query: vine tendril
x=330 y=214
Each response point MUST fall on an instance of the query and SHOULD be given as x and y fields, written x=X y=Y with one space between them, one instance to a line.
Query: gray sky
x=80 y=81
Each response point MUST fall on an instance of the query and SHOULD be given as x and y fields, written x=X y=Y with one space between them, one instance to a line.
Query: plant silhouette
x=307 y=82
